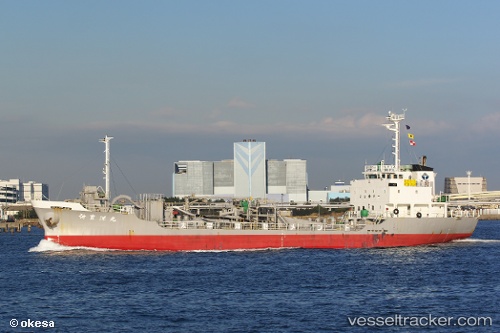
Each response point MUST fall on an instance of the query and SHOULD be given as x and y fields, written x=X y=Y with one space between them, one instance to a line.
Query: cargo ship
x=392 y=205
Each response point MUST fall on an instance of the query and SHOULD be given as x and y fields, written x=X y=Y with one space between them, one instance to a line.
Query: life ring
x=396 y=211
x=419 y=215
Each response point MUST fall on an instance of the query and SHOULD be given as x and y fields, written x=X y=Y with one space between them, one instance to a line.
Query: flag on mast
x=411 y=136
x=412 y=143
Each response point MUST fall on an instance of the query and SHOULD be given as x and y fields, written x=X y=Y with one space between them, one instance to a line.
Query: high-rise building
x=250 y=169
x=193 y=178
x=224 y=178
x=296 y=179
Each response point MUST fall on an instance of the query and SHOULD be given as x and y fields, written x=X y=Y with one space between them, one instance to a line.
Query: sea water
x=46 y=287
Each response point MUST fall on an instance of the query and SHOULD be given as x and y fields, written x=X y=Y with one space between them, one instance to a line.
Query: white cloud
x=166 y=112
x=238 y=103
x=489 y=122
x=344 y=126
x=364 y=125
x=421 y=83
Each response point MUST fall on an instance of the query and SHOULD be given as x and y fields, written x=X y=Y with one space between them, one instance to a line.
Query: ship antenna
x=106 y=165
x=395 y=127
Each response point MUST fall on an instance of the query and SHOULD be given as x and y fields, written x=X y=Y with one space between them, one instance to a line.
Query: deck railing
x=231 y=225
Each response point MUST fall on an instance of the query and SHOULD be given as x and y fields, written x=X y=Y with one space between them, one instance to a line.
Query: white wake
x=50 y=246
x=477 y=240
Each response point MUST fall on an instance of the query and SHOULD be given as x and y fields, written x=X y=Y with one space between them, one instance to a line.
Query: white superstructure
x=396 y=189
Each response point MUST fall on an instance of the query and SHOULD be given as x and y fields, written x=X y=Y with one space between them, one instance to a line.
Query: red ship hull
x=242 y=242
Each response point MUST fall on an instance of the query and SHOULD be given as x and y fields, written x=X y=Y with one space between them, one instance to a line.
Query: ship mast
x=106 y=170
x=395 y=127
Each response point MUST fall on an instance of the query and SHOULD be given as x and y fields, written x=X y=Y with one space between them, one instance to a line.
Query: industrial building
x=15 y=194
x=339 y=192
x=248 y=175
x=463 y=185
x=13 y=191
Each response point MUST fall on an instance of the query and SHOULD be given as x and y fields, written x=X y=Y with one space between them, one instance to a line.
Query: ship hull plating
x=75 y=226
x=252 y=242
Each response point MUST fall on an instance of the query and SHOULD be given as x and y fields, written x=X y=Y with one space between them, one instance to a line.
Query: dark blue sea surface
x=293 y=290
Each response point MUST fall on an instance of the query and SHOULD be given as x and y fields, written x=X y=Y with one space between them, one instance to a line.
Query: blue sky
x=177 y=80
